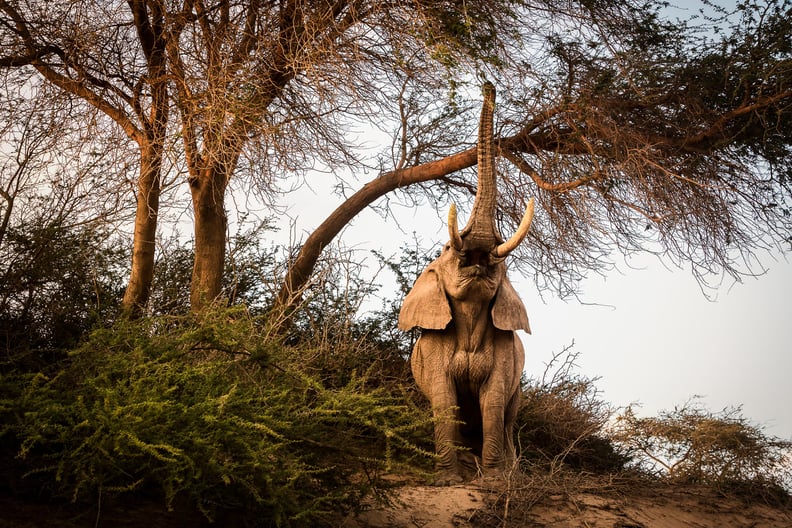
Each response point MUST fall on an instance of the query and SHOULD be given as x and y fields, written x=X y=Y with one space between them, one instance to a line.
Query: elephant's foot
x=448 y=477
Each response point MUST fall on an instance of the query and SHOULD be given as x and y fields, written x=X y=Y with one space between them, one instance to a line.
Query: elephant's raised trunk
x=481 y=231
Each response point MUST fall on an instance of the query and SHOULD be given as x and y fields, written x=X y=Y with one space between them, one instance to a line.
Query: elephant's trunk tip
x=488 y=90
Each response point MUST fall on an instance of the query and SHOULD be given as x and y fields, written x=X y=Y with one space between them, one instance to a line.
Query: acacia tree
x=111 y=56
x=633 y=132
x=279 y=84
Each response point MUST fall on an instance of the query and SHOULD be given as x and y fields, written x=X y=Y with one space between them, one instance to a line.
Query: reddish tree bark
x=210 y=228
x=141 y=274
x=300 y=271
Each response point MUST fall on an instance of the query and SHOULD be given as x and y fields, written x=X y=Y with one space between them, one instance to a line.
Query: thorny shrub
x=693 y=444
x=213 y=413
x=564 y=420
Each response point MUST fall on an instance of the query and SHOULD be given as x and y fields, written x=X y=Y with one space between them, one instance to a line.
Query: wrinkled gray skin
x=468 y=356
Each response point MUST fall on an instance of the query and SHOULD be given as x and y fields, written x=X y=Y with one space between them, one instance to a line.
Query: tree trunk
x=302 y=267
x=143 y=243
x=211 y=222
x=151 y=140
x=300 y=271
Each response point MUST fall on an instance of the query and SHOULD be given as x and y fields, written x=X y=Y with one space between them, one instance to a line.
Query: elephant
x=468 y=360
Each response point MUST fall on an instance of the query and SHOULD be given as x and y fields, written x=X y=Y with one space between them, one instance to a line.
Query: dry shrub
x=511 y=503
x=563 y=420
x=572 y=443
x=563 y=445
x=695 y=445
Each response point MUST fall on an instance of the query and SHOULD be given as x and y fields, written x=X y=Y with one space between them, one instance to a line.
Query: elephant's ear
x=426 y=305
x=508 y=311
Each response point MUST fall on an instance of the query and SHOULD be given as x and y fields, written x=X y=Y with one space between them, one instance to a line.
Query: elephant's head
x=471 y=266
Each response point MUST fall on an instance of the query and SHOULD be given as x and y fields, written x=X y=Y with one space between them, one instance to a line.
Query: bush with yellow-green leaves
x=213 y=413
x=695 y=445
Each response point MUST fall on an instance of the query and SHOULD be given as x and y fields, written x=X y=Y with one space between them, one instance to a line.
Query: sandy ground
x=571 y=502
x=467 y=506
x=425 y=507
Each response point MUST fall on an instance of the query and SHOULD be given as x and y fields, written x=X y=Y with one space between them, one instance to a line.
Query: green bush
x=56 y=284
x=210 y=412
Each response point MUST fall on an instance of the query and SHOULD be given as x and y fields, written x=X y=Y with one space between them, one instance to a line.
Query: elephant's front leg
x=430 y=367
x=492 y=413
x=446 y=434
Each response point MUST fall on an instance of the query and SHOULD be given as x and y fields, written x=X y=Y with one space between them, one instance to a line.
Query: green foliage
x=211 y=412
x=460 y=31
x=56 y=283
x=693 y=444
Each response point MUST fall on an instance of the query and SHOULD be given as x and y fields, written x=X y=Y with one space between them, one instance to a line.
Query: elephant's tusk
x=453 y=228
x=507 y=247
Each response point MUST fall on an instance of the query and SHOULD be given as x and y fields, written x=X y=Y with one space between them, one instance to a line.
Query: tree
x=634 y=133
x=276 y=83
x=119 y=69
x=59 y=262
x=280 y=84
x=694 y=444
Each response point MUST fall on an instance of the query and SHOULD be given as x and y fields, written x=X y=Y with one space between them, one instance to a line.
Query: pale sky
x=660 y=341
